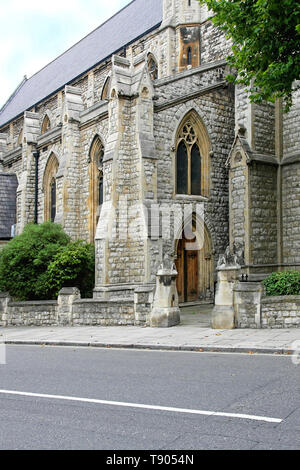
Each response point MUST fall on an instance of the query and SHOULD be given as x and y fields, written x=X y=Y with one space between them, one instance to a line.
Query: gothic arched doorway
x=194 y=263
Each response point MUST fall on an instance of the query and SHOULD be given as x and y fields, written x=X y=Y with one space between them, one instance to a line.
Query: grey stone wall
x=254 y=310
x=71 y=310
x=281 y=312
x=264 y=128
x=30 y=314
x=214 y=45
x=291 y=212
x=96 y=313
x=291 y=128
x=263 y=209
x=238 y=203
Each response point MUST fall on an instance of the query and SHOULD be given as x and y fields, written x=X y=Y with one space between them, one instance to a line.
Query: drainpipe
x=36 y=155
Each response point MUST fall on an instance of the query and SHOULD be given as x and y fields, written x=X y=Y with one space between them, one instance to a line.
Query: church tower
x=182 y=18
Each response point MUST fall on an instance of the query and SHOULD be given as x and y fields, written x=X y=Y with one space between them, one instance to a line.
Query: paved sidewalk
x=193 y=334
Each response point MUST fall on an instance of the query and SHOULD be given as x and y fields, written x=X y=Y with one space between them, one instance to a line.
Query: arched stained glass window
x=189 y=163
x=50 y=188
x=53 y=200
x=195 y=170
x=46 y=126
x=189 y=56
x=96 y=190
x=182 y=169
x=152 y=67
x=105 y=89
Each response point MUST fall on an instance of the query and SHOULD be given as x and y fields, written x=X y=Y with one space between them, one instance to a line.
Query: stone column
x=165 y=312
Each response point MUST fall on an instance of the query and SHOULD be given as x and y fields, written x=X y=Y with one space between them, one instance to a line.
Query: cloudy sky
x=34 y=32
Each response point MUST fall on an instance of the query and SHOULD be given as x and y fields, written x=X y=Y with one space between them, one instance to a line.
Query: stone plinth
x=165 y=312
x=223 y=316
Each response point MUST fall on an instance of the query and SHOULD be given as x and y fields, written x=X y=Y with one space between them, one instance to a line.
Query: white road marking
x=146 y=407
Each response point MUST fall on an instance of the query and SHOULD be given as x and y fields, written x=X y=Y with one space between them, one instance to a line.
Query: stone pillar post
x=143 y=301
x=228 y=275
x=4 y=301
x=247 y=304
x=65 y=300
x=165 y=312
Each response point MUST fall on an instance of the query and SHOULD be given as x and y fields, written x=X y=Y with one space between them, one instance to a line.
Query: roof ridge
x=133 y=21
x=82 y=39
x=14 y=93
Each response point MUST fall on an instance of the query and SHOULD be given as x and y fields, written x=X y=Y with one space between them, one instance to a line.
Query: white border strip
x=146 y=407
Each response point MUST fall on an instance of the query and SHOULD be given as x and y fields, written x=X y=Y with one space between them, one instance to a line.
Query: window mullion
x=189 y=170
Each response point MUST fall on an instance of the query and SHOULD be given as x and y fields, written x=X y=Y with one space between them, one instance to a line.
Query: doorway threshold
x=195 y=303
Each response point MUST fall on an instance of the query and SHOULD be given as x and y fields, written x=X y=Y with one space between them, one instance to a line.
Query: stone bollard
x=4 y=301
x=223 y=316
x=66 y=297
x=165 y=312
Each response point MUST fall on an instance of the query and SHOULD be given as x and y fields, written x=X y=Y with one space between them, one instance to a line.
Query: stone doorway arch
x=195 y=266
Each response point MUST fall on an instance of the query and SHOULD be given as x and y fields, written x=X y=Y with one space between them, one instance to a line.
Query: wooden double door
x=187 y=268
x=195 y=281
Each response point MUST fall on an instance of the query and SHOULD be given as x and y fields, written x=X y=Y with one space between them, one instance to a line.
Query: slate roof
x=8 y=188
x=133 y=21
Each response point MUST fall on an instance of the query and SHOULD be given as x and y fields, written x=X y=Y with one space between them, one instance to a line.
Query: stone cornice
x=49 y=137
x=187 y=73
x=263 y=158
x=188 y=97
x=95 y=112
x=290 y=158
x=12 y=156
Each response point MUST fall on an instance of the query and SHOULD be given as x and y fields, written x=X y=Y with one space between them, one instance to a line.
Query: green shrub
x=38 y=263
x=24 y=260
x=285 y=283
x=72 y=266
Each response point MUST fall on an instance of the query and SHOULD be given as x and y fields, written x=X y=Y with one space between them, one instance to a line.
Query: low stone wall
x=30 y=314
x=95 y=312
x=254 y=310
x=280 y=312
x=70 y=309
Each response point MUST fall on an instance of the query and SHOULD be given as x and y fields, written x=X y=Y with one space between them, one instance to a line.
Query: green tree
x=266 y=45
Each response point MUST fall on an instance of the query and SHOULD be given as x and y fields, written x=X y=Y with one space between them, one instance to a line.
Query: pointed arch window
x=96 y=190
x=53 y=200
x=189 y=56
x=152 y=67
x=192 y=158
x=105 y=89
x=46 y=126
x=50 y=189
x=20 y=138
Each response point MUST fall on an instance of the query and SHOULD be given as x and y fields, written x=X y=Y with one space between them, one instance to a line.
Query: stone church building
x=139 y=112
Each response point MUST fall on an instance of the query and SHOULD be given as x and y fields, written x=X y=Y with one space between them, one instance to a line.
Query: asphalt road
x=254 y=385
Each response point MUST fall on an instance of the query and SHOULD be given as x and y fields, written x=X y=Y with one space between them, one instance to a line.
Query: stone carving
x=234 y=257
x=168 y=262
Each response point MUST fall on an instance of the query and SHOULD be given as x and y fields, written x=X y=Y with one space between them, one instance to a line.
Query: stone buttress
x=130 y=183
